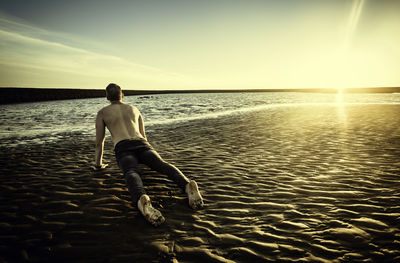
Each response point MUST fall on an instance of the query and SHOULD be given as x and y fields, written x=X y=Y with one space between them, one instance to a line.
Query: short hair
x=113 y=92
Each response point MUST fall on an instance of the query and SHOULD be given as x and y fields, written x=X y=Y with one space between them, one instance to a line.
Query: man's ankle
x=143 y=199
x=187 y=187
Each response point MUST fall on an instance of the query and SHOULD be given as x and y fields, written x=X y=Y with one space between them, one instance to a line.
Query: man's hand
x=99 y=167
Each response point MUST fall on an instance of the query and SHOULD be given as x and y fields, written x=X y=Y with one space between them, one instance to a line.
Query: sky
x=204 y=44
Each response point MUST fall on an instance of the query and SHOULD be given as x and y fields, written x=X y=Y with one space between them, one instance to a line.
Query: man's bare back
x=122 y=120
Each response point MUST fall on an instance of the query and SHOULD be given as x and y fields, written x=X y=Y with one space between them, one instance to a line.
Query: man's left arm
x=100 y=136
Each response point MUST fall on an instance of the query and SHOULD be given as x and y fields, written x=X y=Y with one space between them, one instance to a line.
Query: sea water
x=41 y=122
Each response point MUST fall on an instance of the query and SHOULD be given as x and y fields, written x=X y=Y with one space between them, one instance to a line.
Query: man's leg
x=128 y=164
x=153 y=160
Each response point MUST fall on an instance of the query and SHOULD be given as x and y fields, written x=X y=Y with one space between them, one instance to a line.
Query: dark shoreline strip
x=18 y=95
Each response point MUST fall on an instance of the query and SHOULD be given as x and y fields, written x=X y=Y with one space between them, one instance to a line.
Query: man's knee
x=131 y=171
x=132 y=177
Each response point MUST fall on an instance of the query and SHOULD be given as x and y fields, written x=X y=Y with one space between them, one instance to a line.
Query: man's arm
x=100 y=136
x=141 y=127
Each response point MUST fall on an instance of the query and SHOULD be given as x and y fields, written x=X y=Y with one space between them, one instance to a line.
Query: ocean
x=42 y=122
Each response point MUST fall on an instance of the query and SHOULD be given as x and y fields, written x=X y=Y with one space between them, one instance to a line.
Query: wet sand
x=286 y=184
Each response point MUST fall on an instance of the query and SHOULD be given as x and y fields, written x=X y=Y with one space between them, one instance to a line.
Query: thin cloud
x=28 y=46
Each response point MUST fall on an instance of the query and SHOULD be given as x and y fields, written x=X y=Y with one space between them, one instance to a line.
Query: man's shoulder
x=102 y=110
x=131 y=107
x=110 y=108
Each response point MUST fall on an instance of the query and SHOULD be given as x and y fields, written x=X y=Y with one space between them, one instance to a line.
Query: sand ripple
x=288 y=184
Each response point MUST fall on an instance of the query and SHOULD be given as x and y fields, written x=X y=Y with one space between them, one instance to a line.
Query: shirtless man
x=131 y=147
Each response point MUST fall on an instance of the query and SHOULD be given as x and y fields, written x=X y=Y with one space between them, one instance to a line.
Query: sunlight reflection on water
x=48 y=120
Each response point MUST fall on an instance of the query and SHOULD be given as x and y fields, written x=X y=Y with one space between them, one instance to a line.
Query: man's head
x=114 y=92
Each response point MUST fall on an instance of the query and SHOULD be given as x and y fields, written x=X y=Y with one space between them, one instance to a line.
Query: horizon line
x=9 y=95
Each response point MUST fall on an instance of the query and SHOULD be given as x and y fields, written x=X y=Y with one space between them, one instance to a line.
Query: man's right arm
x=100 y=136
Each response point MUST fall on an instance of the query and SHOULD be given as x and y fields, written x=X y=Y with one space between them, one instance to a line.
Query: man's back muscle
x=122 y=121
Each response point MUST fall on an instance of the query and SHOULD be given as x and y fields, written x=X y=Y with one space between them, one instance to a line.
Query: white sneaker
x=149 y=212
x=195 y=199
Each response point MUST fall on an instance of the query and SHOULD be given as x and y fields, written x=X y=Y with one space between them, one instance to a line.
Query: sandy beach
x=285 y=184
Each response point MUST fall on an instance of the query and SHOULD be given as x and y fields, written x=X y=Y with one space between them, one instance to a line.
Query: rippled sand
x=287 y=184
